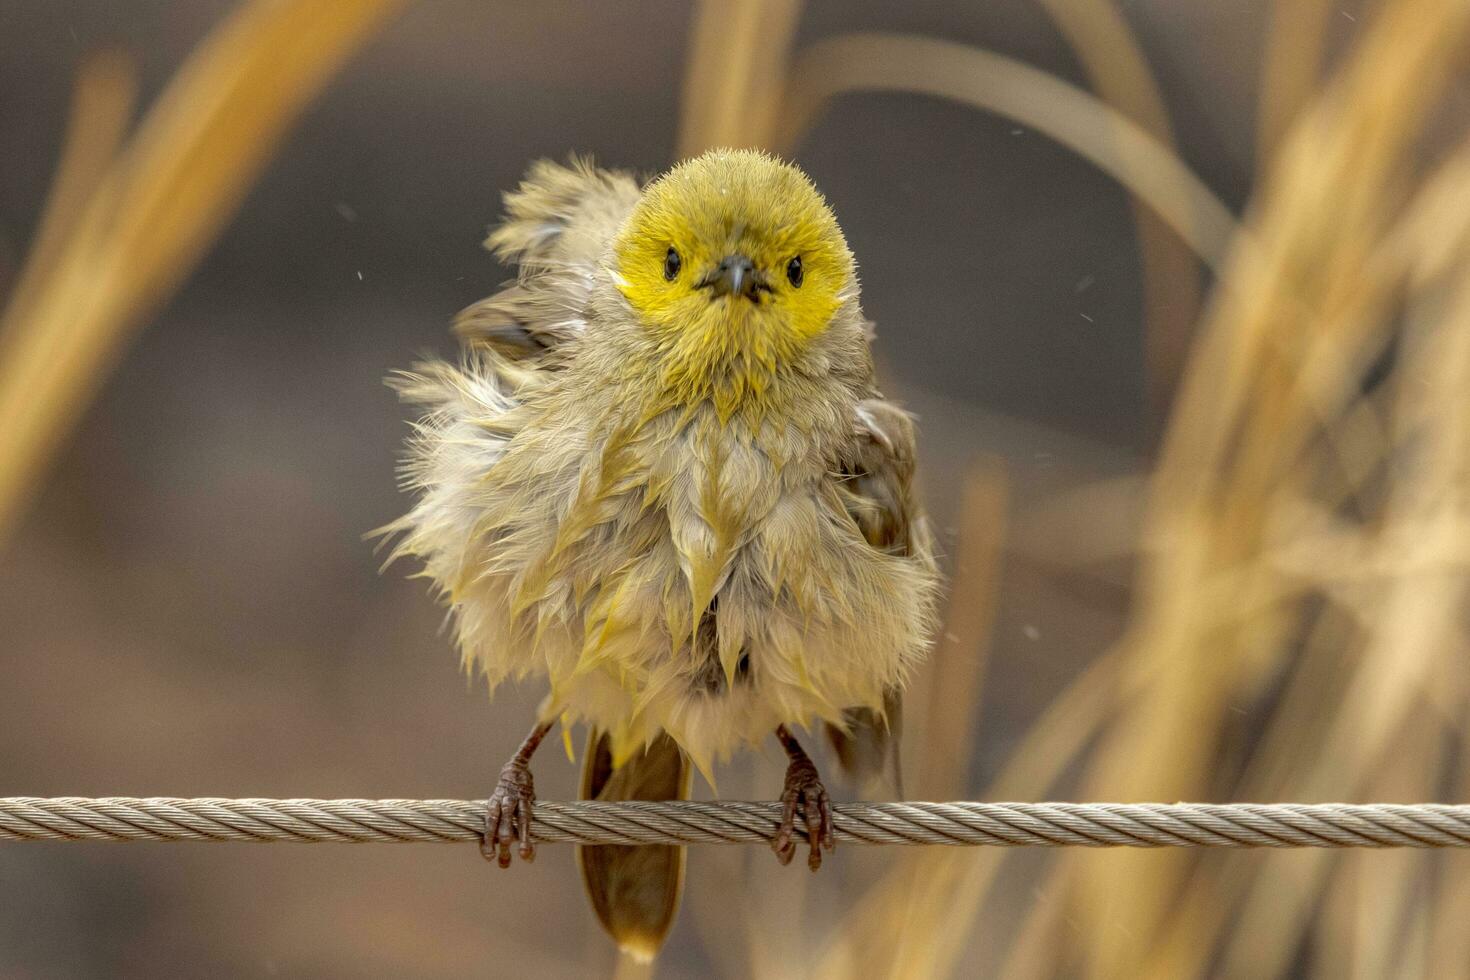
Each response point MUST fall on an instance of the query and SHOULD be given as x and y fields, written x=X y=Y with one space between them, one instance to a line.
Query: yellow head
x=734 y=263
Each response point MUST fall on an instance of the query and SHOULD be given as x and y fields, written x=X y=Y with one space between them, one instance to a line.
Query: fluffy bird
x=662 y=477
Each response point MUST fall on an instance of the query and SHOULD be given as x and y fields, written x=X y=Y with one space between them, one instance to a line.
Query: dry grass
x=1303 y=510
x=738 y=50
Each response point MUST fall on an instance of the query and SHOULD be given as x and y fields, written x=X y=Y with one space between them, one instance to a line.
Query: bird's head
x=734 y=264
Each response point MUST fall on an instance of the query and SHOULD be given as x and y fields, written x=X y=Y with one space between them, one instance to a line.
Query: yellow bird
x=661 y=476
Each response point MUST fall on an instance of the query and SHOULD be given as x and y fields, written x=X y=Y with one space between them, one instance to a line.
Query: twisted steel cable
x=24 y=818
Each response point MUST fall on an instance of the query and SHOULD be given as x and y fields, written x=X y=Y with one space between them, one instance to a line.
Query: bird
x=661 y=477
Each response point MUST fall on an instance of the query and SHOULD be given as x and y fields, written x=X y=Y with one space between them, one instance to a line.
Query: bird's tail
x=634 y=890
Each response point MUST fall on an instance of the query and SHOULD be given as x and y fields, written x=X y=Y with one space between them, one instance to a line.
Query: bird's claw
x=508 y=815
x=804 y=791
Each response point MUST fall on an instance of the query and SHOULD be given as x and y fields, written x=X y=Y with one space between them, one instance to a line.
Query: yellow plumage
x=662 y=476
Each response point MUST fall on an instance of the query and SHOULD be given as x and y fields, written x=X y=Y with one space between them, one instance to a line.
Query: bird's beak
x=736 y=275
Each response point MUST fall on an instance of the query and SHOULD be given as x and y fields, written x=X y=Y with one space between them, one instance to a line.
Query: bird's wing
x=557 y=226
x=879 y=492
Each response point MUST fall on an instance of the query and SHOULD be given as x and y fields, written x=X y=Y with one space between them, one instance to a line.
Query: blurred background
x=1179 y=291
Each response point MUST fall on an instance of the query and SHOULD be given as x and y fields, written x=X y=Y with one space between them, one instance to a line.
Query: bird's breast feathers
x=685 y=572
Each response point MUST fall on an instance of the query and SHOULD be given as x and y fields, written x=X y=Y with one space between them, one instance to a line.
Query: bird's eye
x=672 y=263
x=793 y=271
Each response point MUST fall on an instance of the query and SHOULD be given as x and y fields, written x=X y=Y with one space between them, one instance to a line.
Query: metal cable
x=24 y=818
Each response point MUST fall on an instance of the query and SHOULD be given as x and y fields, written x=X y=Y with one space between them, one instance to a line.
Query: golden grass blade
x=102 y=102
x=1295 y=39
x=927 y=66
x=145 y=226
x=738 y=55
x=217 y=125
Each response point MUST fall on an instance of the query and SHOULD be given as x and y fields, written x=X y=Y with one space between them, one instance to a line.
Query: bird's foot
x=508 y=815
x=804 y=791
